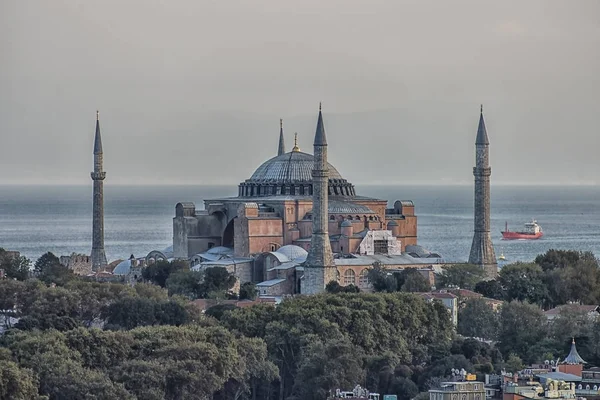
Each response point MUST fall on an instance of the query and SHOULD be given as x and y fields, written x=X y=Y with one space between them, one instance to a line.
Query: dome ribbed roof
x=294 y=166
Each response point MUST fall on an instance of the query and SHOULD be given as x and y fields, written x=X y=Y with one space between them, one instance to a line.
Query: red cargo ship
x=532 y=231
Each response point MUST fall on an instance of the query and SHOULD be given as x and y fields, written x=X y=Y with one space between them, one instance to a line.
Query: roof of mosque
x=294 y=166
x=346 y=207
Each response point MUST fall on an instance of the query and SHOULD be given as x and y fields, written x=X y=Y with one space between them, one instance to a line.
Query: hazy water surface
x=138 y=219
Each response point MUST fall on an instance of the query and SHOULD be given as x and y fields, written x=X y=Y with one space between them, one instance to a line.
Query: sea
x=138 y=219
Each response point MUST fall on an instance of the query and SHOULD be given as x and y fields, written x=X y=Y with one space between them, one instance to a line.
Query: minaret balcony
x=478 y=171
x=98 y=176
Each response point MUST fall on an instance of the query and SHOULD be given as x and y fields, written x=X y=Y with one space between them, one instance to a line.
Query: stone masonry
x=482 y=249
x=319 y=268
x=98 y=254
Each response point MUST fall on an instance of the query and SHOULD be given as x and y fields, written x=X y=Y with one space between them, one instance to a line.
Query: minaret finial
x=97 y=115
x=573 y=342
x=319 y=106
x=481 y=108
x=296 y=148
x=281 y=123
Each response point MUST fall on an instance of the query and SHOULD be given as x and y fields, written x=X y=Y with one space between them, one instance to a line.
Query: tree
x=522 y=326
x=160 y=271
x=514 y=363
x=464 y=276
x=411 y=280
x=217 y=311
x=49 y=270
x=492 y=289
x=132 y=312
x=560 y=259
x=382 y=280
x=524 y=282
x=187 y=284
x=477 y=319
x=328 y=366
x=217 y=282
x=17 y=383
x=248 y=291
x=16 y=267
x=335 y=287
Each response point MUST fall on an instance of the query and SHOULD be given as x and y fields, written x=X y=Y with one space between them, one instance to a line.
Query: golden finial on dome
x=296 y=148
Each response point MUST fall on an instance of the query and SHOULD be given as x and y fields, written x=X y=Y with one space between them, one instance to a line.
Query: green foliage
x=217 y=311
x=17 y=383
x=149 y=363
x=186 y=283
x=326 y=367
x=14 y=267
x=464 y=276
x=49 y=270
x=522 y=325
x=561 y=259
x=132 y=312
x=477 y=319
x=217 y=280
x=490 y=288
x=335 y=287
x=248 y=291
x=524 y=282
x=514 y=363
x=411 y=280
x=159 y=272
x=382 y=280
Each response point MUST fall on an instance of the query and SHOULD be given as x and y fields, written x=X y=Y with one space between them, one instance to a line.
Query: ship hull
x=507 y=235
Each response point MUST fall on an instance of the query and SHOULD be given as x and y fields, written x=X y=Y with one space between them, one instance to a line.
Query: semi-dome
x=291 y=174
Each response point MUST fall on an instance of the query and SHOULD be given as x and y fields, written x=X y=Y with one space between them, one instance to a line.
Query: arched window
x=363 y=278
x=349 y=277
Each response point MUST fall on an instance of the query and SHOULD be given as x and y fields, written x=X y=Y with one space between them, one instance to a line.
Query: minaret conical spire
x=482 y=136
x=97 y=137
x=320 y=137
x=281 y=149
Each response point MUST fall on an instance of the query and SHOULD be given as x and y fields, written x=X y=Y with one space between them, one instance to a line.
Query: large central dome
x=293 y=166
x=291 y=174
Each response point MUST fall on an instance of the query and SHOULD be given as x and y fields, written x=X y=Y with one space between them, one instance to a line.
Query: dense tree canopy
x=464 y=276
x=14 y=267
x=477 y=319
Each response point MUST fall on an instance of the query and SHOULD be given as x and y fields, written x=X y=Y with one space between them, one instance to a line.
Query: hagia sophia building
x=273 y=233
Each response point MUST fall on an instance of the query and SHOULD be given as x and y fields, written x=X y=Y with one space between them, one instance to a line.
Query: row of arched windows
x=350 y=278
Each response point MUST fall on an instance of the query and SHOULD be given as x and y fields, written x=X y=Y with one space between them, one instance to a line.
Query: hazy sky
x=191 y=91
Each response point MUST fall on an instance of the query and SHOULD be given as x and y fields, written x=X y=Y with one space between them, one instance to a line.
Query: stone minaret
x=482 y=249
x=98 y=254
x=281 y=149
x=319 y=268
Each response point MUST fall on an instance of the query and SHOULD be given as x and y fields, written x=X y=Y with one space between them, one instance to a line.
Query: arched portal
x=228 y=235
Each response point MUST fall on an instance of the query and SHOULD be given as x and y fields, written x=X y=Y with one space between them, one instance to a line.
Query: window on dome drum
x=211 y=245
x=380 y=246
x=363 y=278
x=349 y=277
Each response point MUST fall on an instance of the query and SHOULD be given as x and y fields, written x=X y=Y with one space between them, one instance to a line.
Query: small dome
x=346 y=224
x=392 y=223
x=220 y=250
x=122 y=268
x=293 y=252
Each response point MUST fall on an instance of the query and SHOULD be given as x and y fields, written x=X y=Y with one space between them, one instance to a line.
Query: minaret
x=482 y=249
x=319 y=267
x=281 y=149
x=98 y=254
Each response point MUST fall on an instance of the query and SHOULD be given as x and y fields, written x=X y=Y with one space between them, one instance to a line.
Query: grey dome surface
x=122 y=268
x=293 y=252
x=294 y=166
